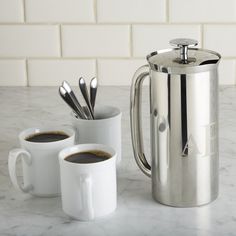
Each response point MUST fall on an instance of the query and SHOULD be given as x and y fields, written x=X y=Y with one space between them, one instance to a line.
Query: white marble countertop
x=137 y=214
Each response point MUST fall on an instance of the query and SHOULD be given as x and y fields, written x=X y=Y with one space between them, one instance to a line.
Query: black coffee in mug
x=90 y=156
x=46 y=137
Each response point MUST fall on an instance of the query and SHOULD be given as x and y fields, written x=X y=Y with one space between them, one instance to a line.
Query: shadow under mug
x=104 y=129
x=39 y=161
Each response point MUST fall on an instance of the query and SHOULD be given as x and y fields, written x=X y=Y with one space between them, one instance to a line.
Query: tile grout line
x=95 y=10
x=88 y=58
x=72 y=58
x=24 y=11
x=27 y=72
x=115 y=23
x=131 y=40
x=167 y=11
x=202 y=35
x=96 y=69
x=60 y=38
x=234 y=73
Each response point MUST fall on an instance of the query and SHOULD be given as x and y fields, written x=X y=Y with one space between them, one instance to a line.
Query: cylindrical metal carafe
x=184 y=124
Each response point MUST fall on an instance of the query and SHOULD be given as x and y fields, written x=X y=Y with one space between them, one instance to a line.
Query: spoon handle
x=70 y=102
x=85 y=94
x=64 y=95
x=93 y=91
x=74 y=99
x=79 y=107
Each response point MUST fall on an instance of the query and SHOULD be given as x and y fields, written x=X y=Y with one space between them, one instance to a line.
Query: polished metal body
x=184 y=126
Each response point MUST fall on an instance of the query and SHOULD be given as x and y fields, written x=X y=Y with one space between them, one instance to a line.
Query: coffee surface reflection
x=91 y=156
x=47 y=137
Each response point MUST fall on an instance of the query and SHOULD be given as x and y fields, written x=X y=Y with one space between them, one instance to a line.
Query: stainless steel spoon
x=93 y=91
x=86 y=110
x=84 y=91
x=69 y=90
x=69 y=101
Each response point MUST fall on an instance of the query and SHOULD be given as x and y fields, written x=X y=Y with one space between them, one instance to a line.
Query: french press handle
x=183 y=44
x=136 y=119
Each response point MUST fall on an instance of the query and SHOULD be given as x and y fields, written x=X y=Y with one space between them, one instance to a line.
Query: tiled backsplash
x=43 y=42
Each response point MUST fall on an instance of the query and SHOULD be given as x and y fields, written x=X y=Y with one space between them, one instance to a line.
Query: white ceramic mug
x=40 y=162
x=105 y=129
x=88 y=190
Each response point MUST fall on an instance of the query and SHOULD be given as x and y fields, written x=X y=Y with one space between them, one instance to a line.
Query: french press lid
x=183 y=58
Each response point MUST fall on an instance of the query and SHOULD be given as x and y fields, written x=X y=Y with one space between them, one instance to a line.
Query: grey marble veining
x=137 y=213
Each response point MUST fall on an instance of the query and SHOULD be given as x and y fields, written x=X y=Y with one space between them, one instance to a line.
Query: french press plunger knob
x=183 y=44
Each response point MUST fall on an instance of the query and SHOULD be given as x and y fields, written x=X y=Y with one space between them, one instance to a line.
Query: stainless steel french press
x=183 y=123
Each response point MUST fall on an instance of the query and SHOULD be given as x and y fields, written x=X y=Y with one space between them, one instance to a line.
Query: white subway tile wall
x=11 y=11
x=95 y=41
x=53 y=72
x=29 y=41
x=149 y=38
x=221 y=38
x=13 y=72
x=131 y=11
x=43 y=42
x=59 y=11
x=202 y=11
x=120 y=71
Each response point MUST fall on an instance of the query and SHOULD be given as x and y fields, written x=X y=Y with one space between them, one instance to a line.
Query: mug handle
x=86 y=196
x=136 y=119
x=12 y=159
